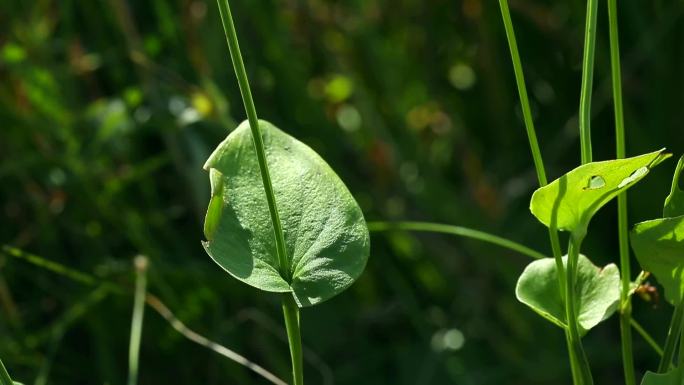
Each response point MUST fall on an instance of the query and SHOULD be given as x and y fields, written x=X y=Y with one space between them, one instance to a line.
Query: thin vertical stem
x=536 y=153
x=522 y=93
x=623 y=233
x=290 y=309
x=291 y=312
x=137 y=319
x=250 y=109
x=571 y=310
x=5 y=378
x=587 y=81
x=672 y=337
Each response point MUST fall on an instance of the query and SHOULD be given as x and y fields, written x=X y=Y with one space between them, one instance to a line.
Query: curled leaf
x=325 y=233
x=569 y=202
x=674 y=203
x=598 y=291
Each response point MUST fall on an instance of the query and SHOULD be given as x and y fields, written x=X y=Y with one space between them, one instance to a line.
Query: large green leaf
x=673 y=377
x=674 y=203
x=568 y=203
x=598 y=291
x=659 y=248
x=325 y=233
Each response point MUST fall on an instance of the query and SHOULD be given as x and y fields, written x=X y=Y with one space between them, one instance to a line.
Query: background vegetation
x=108 y=109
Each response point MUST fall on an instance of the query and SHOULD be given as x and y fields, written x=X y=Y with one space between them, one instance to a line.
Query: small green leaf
x=568 y=203
x=673 y=377
x=674 y=203
x=325 y=233
x=659 y=248
x=598 y=291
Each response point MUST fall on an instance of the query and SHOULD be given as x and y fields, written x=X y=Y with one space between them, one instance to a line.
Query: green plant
x=297 y=231
x=570 y=291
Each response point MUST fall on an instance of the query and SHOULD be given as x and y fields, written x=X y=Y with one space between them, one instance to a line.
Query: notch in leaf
x=569 y=202
x=598 y=291
x=325 y=233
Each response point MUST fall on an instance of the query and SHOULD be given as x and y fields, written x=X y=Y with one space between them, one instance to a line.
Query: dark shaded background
x=108 y=109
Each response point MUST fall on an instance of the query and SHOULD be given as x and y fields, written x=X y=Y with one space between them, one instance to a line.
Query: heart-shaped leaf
x=673 y=377
x=674 y=203
x=598 y=291
x=325 y=233
x=569 y=202
x=659 y=248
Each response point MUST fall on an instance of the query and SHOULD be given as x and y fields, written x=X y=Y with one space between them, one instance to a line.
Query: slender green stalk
x=137 y=319
x=5 y=378
x=455 y=230
x=647 y=337
x=574 y=366
x=587 y=81
x=672 y=337
x=291 y=312
x=536 y=152
x=623 y=233
x=571 y=310
x=250 y=109
x=522 y=93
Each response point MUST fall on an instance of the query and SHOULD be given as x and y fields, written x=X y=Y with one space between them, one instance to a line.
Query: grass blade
x=137 y=319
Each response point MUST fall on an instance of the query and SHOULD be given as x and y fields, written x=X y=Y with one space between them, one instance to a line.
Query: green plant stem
x=574 y=367
x=291 y=312
x=534 y=147
x=623 y=232
x=455 y=230
x=137 y=319
x=647 y=337
x=672 y=337
x=522 y=93
x=587 y=81
x=571 y=310
x=250 y=109
x=5 y=378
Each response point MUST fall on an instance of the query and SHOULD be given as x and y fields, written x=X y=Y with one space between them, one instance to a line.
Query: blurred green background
x=108 y=109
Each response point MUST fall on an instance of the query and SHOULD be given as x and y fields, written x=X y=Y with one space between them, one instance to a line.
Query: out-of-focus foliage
x=108 y=106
